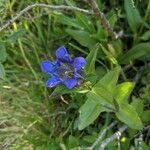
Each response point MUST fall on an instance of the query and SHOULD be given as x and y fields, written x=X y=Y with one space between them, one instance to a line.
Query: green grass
x=30 y=118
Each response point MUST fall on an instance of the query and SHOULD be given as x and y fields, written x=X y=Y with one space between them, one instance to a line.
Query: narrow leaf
x=85 y=22
x=2 y=71
x=141 y=50
x=3 y=54
x=133 y=15
x=68 y=21
x=91 y=58
x=82 y=37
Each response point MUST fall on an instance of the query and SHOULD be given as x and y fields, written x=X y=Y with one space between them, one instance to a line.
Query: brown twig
x=63 y=100
x=51 y=7
x=102 y=19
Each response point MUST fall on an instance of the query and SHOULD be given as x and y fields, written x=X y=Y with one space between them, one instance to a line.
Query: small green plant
x=97 y=92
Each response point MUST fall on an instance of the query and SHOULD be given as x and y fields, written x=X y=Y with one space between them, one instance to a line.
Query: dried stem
x=51 y=7
x=101 y=135
x=95 y=12
x=102 y=19
x=116 y=135
x=138 y=141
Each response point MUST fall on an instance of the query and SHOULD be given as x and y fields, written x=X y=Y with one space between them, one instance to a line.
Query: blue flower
x=64 y=70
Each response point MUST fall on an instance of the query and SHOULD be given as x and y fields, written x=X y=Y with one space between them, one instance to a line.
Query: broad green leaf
x=89 y=111
x=138 y=105
x=141 y=50
x=129 y=116
x=104 y=96
x=2 y=71
x=133 y=15
x=91 y=58
x=123 y=91
x=3 y=54
x=15 y=36
x=104 y=89
x=82 y=37
x=110 y=79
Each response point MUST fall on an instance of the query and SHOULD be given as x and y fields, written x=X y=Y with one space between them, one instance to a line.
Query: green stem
x=123 y=75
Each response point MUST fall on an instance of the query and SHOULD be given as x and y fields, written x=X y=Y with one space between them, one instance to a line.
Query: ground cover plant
x=74 y=75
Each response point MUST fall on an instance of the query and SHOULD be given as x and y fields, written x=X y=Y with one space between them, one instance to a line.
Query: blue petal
x=47 y=67
x=79 y=63
x=70 y=83
x=53 y=81
x=62 y=54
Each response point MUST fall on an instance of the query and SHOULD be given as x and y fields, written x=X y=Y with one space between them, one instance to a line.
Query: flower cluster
x=64 y=70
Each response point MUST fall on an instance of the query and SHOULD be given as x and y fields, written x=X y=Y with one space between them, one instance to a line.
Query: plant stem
x=102 y=19
x=26 y=60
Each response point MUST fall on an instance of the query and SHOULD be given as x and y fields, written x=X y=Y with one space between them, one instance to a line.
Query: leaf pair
x=107 y=96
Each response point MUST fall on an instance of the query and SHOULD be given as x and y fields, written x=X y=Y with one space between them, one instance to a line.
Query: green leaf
x=109 y=55
x=3 y=54
x=129 y=116
x=82 y=37
x=118 y=46
x=2 y=72
x=146 y=35
x=89 y=111
x=73 y=141
x=101 y=33
x=110 y=79
x=104 y=96
x=104 y=89
x=133 y=15
x=85 y=22
x=91 y=58
x=146 y=115
x=68 y=21
x=123 y=91
x=138 y=105
x=112 y=19
x=141 y=50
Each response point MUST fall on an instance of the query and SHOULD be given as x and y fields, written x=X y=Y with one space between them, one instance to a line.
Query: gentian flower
x=64 y=70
